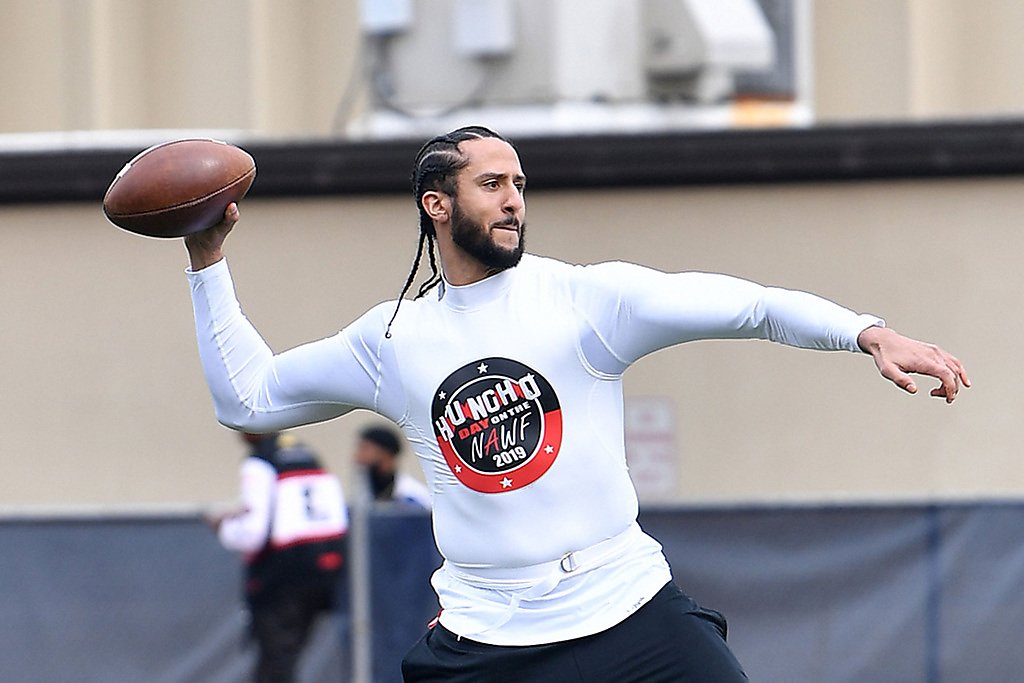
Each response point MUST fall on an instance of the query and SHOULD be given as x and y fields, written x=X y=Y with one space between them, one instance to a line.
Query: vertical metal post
x=933 y=599
x=359 y=585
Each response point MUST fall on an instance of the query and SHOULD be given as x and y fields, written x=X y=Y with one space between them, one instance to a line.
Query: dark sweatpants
x=281 y=626
x=671 y=639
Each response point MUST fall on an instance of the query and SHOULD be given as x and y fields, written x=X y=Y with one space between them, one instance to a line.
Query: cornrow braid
x=437 y=163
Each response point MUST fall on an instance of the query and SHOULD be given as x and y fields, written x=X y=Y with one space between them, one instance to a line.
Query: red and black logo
x=499 y=424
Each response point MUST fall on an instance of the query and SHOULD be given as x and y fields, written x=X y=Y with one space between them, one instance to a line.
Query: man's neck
x=467 y=274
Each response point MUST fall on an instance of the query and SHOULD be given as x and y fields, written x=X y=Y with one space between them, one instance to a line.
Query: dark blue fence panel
x=899 y=593
x=116 y=601
x=816 y=595
x=129 y=600
x=402 y=558
x=980 y=615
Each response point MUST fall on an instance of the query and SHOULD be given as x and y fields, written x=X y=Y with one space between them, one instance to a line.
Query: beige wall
x=917 y=59
x=268 y=65
x=282 y=67
x=104 y=401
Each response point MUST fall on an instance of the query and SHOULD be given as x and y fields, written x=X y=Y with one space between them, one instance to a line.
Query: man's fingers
x=950 y=378
x=947 y=376
x=894 y=374
x=958 y=376
x=205 y=247
x=956 y=366
x=899 y=357
x=231 y=215
x=950 y=387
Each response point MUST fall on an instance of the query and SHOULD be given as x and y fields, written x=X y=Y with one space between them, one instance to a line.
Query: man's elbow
x=237 y=416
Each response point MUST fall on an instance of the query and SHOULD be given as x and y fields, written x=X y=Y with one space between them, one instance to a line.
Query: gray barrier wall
x=906 y=593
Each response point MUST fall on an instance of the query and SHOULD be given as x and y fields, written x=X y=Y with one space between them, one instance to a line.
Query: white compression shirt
x=509 y=391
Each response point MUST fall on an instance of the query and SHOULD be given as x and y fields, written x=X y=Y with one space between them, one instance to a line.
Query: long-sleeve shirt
x=509 y=390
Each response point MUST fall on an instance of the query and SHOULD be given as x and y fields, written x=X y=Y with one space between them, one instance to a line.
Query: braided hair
x=437 y=164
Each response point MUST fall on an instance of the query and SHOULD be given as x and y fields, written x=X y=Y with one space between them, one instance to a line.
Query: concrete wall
x=269 y=65
x=103 y=399
x=917 y=59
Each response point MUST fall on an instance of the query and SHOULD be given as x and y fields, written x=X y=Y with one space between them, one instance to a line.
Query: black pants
x=281 y=625
x=671 y=639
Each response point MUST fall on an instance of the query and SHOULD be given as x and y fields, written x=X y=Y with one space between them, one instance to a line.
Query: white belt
x=537 y=580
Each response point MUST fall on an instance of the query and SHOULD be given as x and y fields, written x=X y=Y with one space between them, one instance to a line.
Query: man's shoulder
x=579 y=273
x=371 y=326
x=560 y=265
x=538 y=262
x=546 y=266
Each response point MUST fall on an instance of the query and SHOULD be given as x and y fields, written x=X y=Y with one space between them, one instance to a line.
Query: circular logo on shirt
x=498 y=423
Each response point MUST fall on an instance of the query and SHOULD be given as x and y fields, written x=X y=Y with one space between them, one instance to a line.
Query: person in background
x=377 y=452
x=289 y=527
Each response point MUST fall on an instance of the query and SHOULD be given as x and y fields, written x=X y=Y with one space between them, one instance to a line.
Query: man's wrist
x=869 y=338
x=200 y=261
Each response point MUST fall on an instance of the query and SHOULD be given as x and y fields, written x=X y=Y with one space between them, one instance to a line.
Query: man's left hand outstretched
x=897 y=357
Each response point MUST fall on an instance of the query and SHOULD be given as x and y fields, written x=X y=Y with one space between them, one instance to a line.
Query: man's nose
x=513 y=201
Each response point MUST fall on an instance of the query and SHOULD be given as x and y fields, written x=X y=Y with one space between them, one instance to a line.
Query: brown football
x=177 y=188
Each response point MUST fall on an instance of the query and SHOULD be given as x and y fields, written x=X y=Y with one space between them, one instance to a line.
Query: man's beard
x=475 y=239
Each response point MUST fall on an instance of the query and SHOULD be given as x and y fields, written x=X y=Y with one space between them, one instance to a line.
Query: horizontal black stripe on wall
x=323 y=167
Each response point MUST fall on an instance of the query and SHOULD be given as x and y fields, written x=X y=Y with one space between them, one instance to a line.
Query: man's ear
x=437 y=205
